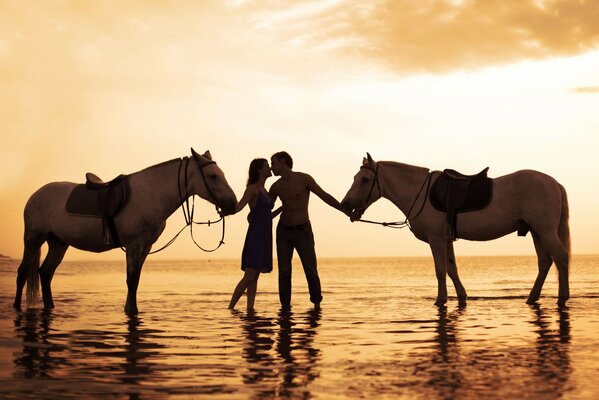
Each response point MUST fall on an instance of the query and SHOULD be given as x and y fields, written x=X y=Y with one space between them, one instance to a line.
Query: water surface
x=377 y=334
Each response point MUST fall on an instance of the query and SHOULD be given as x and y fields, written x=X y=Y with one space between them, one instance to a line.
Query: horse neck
x=400 y=183
x=166 y=184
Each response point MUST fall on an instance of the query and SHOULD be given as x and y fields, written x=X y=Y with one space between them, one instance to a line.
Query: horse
x=522 y=201
x=154 y=194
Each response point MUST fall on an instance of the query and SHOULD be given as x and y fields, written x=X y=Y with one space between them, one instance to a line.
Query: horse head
x=364 y=191
x=211 y=184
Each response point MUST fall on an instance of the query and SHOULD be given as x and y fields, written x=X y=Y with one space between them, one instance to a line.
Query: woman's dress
x=257 y=249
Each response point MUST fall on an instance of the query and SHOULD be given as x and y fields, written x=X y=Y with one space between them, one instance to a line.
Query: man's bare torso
x=295 y=196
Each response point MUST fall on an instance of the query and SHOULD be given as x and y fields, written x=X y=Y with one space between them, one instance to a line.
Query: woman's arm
x=250 y=191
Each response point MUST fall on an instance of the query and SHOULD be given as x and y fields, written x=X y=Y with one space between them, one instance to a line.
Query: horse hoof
x=462 y=301
x=440 y=303
x=561 y=303
x=531 y=301
x=131 y=312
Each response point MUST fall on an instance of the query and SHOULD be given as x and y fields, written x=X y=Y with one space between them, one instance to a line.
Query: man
x=294 y=230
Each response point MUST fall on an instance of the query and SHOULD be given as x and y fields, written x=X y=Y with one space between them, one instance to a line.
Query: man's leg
x=284 y=255
x=307 y=253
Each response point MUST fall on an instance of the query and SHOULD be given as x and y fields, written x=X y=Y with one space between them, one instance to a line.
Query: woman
x=256 y=257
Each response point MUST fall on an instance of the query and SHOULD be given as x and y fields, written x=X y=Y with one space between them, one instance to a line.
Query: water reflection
x=38 y=357
x=445 y=374
x=295 y=347
x=280 y=353
x=138 y=352
x=553 y=349
x=259 y=333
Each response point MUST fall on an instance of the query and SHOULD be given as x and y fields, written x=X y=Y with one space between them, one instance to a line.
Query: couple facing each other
x=294 y=231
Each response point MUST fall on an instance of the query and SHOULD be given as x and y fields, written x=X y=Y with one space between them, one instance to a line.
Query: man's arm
x=324 y=196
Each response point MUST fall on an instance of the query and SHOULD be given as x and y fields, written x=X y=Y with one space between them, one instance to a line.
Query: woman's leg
x=247 y=279
x=252 y=287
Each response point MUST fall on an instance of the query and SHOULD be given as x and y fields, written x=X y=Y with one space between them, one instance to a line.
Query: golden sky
x=115 y=86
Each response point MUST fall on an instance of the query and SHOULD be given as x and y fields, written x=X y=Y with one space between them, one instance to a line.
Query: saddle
x=454 y=193
x=105 y=200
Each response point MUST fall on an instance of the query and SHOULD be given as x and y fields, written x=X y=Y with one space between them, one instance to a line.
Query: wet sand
x=377 y=334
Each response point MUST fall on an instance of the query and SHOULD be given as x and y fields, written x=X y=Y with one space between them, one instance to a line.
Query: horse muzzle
x=227 y=208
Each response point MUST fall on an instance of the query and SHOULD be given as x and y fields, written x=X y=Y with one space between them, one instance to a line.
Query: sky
x=113 y=87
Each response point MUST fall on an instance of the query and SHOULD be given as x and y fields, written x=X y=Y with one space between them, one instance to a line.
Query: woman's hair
x=254 y=172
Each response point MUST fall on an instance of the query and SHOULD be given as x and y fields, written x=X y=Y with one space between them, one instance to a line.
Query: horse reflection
x=445 y=375
x=138 y=366
x=552 y=347
x=39 y=356
x=295 y=347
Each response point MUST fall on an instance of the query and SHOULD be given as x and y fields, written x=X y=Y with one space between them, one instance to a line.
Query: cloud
x=586 y=89
x=439 y=36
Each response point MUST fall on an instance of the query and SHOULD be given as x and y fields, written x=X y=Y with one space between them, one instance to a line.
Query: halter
x=406 y=222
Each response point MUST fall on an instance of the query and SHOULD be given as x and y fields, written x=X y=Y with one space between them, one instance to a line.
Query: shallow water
x=377 y=334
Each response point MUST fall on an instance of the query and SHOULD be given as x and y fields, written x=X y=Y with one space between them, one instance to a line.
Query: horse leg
x=452 y=271
x=544 y=263
x=136 y=255
x=438 y=248
x=29 y=265
x=56 y=252
x=561 y=258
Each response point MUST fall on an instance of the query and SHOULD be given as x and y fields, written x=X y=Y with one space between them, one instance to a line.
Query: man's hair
x=283 y=155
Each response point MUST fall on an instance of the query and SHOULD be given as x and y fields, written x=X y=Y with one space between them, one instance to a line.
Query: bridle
x=398 y=224
x=188 y=210
x=374 y=181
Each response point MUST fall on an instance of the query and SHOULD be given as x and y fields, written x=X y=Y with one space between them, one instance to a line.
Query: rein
x=189 y=211
x=399 y=224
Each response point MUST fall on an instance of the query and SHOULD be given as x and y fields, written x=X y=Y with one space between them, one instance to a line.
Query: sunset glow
x=114 y=87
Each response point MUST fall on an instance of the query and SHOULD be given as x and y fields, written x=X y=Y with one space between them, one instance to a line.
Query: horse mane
x=403 y=165
x=163 y=164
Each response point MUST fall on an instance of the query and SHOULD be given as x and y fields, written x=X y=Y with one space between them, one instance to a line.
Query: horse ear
x=370 y=160
x=194 y=153
x=364 y=161
x=207 y=155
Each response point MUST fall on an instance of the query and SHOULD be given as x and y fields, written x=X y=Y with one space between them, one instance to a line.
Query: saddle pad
x=472 y=195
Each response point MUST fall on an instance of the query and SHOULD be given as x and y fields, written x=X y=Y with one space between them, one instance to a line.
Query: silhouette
x=295 y=347
x=294 y=231
x=138 y=350
x=40 y=354
x=553 y=356
x=522 y=201
x=256 y=257
x=155 y=193
x=261 y=373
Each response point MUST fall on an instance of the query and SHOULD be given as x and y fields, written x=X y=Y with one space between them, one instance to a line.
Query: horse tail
x=564 y=227
x=33 y=278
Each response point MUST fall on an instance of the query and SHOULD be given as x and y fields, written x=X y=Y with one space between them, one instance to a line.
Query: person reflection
x=38 y=358
x=553 y=350
x=260 y=373
x=295 y=347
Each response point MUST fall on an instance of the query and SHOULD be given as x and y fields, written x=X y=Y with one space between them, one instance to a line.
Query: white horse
x=524 y=200
x=155 y=193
